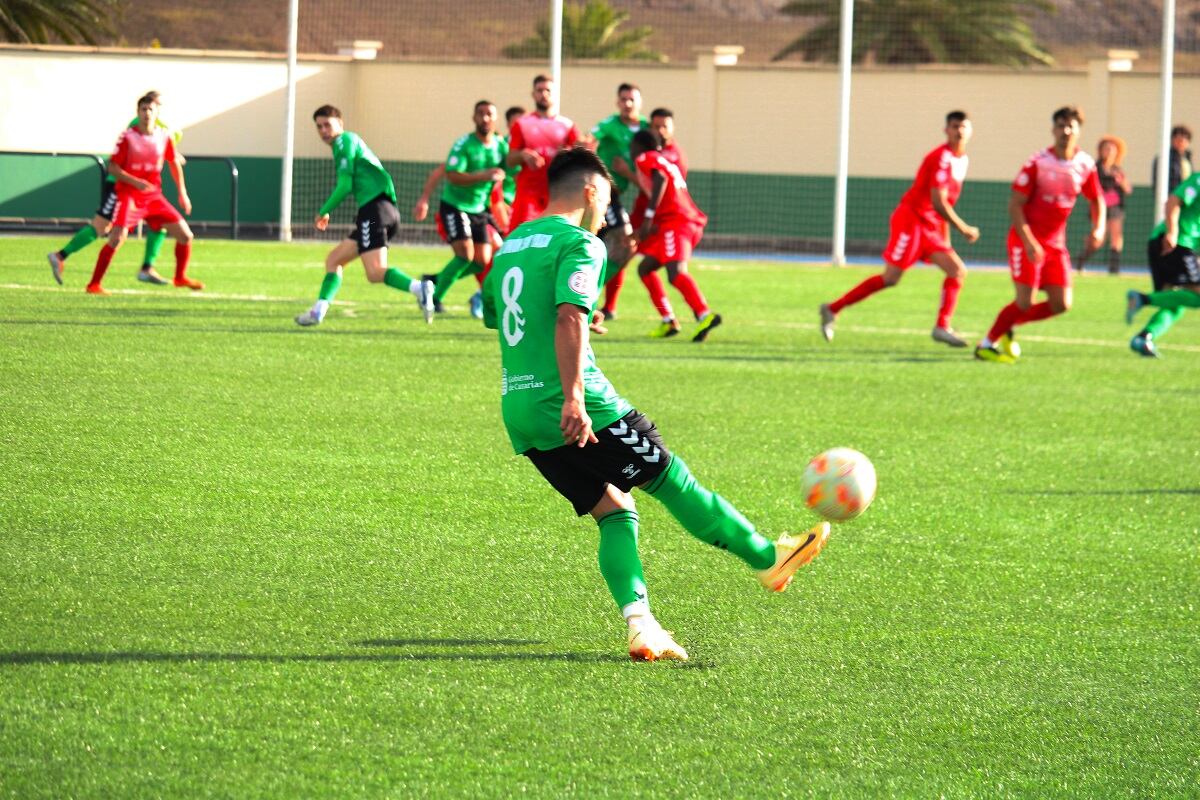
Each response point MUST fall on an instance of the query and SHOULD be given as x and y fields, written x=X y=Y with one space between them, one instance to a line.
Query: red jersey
x=1052 y=186
x=142 y=156
x=940 y=169
x=674 y=153
x=676 y=204
x=545 y=136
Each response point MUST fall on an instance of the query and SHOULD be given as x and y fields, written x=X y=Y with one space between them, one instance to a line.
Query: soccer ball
x=839 y=484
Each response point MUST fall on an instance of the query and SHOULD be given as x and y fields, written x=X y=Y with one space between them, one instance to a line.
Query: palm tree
x=923 y=31
x=66 y=21
x=590 y=31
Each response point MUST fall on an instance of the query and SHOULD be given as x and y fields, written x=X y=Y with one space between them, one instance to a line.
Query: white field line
x=347 y=307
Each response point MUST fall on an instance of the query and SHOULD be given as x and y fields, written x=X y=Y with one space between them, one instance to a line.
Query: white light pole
x=556 y=14
x=289 y=127
x=845 y=57
x=1166 y=79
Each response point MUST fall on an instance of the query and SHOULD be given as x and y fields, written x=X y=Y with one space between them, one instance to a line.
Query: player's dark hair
x=956 y=116
x=1181 y=130
x=152 y=97
x=327 y=111
x=542 y=79
x=644 y=141
x=479 y=103
x=661 y=112
x=627 y=87
x=1068 y=113
x=513 y=111
x=572 y=169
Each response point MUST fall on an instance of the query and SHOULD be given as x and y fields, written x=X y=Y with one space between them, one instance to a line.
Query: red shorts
x=672 y=242
x=524 y=208
x=153 y=208
x=912 y=239
x=1054 y=269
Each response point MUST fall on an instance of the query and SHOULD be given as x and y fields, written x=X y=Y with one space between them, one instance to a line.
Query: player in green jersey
x=613 y=135
x=360 y=172
x=101 y=223
x=1173 y=265
x=473 y=168
x=589 y=443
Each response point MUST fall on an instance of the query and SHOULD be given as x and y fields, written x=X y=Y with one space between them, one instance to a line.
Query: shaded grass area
x=246 y=559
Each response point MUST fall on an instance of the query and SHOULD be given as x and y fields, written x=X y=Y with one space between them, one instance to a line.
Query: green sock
x=330 y=286
x=450 y=273
x=1162 y=321
x=619 y=562
x=709 y=517
x=397 y=279
x=154 y=243
x=1173 y=299
x=82 y=238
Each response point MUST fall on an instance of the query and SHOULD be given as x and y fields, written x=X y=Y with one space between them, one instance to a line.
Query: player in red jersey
x=919 y=231
x=137 y=164
x=1043 y=195
x=662 y=122
x=671 y=226
x=536 y=139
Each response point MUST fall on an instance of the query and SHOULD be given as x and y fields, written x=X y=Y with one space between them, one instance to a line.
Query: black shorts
x=108 y=201
x=1177 y=268
x=615 y=216
x=376 y=223
x=460 y=225
x=630 y=452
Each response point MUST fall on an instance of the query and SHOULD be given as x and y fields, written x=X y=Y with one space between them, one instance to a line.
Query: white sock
x=985 y=343
x=321 y=308
x=414 y=286
x=703 y=316
x=669 y=318
x=638 y=608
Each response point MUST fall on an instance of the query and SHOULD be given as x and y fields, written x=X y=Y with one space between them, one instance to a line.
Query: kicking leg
x=890 y=276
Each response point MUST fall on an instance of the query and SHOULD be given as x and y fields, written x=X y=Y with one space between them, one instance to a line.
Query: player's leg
x=682 y=280
x=126 y=214
x=181 y=232
x=1026 y=277
x=376 y=223
x=99 y=227
x=904 y=243
x=648 y=272
x=1116 y=242
x=154 y=243
x=1181 y=275
x=948 y=261
x=617 y=236
x=460 y=233
x=343 y=253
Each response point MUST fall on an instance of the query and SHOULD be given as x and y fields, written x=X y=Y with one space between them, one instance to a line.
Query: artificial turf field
x=244 y=559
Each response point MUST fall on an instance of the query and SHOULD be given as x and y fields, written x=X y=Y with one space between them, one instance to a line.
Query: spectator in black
x=1114 y=183
x=1180 y=168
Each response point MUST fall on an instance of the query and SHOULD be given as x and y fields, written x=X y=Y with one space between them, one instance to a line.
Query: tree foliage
x=923 y=31
x=590 y=30
x=65 y=21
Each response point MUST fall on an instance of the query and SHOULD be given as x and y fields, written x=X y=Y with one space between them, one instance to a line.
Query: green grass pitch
x=245 y=559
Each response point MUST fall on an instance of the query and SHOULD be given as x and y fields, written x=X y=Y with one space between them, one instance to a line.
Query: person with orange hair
x=1115 y=185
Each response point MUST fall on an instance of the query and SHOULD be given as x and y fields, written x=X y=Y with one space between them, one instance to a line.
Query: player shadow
x=51 y=658
x=1108 y=492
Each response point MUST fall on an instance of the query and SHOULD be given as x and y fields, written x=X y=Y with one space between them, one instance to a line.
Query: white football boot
x=649 y=642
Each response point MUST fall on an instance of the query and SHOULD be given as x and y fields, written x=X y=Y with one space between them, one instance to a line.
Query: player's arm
x=658 y=184
x=622 y=168
x=1171 y=235
x=499 y=207
x=490 y=318
x=939 y=196
x=421 y=208
x=570 y=346
x=1016 y=213
x=185 y=202
x=472 y=178
x=1123 y=181
x=344 y=158
x=121 y=176
x=519 y=154
x=1098 y=209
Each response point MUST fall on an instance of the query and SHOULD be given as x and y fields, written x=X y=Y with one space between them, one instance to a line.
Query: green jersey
x=469 y=154
x=613 y=138
x=543 y=264
x=358 y=171
x=1189 y=214
x=510 y=179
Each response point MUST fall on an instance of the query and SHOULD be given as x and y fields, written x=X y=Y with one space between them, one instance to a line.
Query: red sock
x=102 y=261
x=183 y=252
x=612 y=289
x=658 y=294
x=1005 y=320
x=692 y=295
x=487 y=268
x=859 y=293
x=950 y=289
x=1036 y=312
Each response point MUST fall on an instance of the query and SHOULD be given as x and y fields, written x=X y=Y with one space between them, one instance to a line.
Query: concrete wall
x=743 y=119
